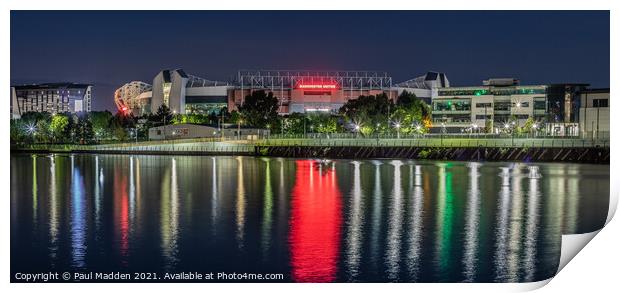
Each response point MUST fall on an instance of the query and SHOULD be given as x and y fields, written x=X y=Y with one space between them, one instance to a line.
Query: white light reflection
x=516 y=223
x=501 y=231
x=376 y=217
x=355 y=223
x=395 y=226
x=531 y=235
x=415 y=225
x=53 y=204
x=472 y=219
x=169 y=217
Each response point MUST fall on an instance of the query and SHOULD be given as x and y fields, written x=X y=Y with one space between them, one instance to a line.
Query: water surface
x=313 y=221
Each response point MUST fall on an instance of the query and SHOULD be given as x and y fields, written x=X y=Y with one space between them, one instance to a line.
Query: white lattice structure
x=287 y=79
x=127 y=98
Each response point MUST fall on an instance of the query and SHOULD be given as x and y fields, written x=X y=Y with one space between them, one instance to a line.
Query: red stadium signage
x=329 y=86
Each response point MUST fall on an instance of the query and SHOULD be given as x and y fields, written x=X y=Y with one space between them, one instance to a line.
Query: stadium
x=298 y=91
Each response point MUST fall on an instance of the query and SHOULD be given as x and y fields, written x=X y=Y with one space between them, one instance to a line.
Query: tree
x=191 y=119
x=100 y=121
x=18 y=133
x=260 y=109
x=84 y=130
x=527 y=126
x=368 y=111
x=58 y=125
x=406 y=99
x=294 y=123
x=163 y=115
x=323 y=123
x=411 y=113
x=233 y=117
x=42 y=132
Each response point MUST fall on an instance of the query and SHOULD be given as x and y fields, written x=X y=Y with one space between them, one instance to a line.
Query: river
x=310 y=220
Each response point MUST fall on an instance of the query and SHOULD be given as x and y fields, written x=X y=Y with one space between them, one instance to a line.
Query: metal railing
x=222 y=146
x=436 y=142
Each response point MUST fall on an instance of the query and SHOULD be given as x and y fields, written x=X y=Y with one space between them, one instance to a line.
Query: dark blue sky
x=110 y=48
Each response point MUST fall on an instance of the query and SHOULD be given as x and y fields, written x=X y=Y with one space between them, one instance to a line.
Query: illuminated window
x=166 y=91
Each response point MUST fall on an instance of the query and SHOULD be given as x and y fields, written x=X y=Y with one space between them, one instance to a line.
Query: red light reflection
x=315 y=224
x=121 y=203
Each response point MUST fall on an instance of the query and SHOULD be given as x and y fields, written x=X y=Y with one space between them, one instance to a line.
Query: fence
x=437 y=142
x=218 y=146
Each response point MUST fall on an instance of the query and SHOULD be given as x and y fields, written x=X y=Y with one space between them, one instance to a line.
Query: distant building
x=594 y=113
x=131 y=98
x=185 y=131
x=51 y=97
x=502 y=100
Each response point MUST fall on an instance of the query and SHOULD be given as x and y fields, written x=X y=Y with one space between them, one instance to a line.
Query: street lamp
x=397 y=130
x=357 y=130
x=239 y=128
x=443 y=130
x=31 y=129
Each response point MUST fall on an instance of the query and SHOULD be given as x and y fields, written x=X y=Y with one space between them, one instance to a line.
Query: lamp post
x=239 y=129
x=357 y=130
x=443 y=130
x=397 y=130
x=165 y=127
x=512 y=132
x=507 y=127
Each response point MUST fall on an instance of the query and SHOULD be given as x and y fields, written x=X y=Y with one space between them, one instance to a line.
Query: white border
x=595 y=266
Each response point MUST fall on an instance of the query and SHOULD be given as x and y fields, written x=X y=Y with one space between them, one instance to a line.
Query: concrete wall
x=594 y=122
x=184 y=131
x=180 y=131
x=177 y=93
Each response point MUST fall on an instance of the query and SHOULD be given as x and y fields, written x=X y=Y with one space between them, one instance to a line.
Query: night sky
x=111 y=48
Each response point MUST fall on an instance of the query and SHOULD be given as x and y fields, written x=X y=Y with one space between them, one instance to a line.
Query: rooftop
x=54 y=85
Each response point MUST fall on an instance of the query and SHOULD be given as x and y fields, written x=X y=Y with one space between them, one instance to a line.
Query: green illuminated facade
x=503 y=104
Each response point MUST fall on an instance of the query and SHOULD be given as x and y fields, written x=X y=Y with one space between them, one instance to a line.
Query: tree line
x=366 y=115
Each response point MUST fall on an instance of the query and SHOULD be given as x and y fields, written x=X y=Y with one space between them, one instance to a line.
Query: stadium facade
x=51 y=97
x=297 y=90
x=300 y=91
x=181 y=92
x=130 y=97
